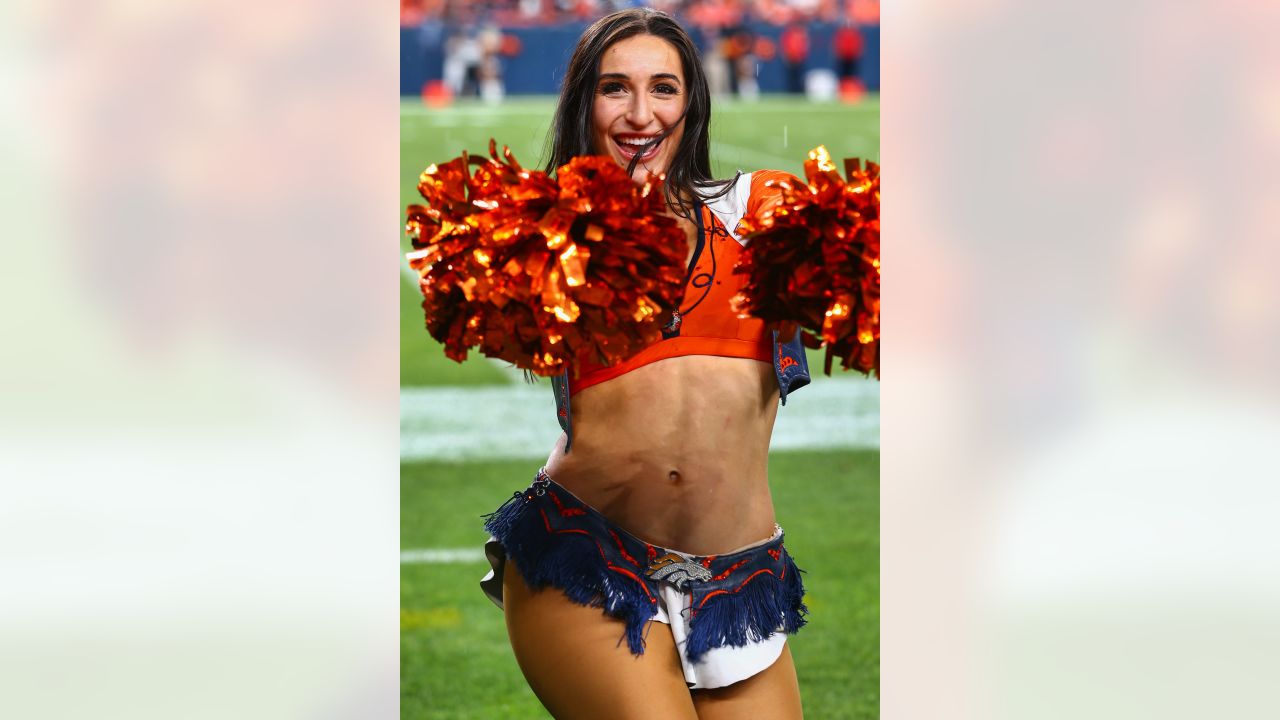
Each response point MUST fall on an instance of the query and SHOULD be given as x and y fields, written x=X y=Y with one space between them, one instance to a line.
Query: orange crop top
x=705 y=324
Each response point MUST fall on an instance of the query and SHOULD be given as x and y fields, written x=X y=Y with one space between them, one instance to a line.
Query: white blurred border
x=198 y=433
x=1080 y=405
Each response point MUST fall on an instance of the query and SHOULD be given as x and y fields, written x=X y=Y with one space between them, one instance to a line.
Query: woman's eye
x=611 y=88
x=665 y=89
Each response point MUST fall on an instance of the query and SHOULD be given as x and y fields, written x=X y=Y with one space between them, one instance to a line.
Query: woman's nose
x=639 y=114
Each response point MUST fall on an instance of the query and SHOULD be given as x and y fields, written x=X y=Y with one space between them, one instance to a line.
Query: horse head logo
x=676 y=570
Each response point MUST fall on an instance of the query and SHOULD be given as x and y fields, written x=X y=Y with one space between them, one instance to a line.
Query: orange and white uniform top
x=704 y=323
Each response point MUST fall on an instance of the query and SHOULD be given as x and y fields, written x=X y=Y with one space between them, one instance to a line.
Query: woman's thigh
x=579 y=666
x=773 y=693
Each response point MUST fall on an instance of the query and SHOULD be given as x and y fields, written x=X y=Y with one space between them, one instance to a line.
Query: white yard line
x=436 y=556
x=519 y=422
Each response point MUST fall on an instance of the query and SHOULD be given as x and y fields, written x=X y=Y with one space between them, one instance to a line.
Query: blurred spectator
x=712 y=20
x=863 y=12
x=847 y=43
x=795 y=53
x=462 y=63
x=534 y=11
x=739 y=52
x=412 y=13
x=472 y=64
x=722 y=14
x=489 y=67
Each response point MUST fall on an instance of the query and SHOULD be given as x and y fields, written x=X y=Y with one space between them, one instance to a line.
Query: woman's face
x=640 y=94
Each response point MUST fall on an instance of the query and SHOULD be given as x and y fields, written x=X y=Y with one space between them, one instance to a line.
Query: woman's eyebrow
x=624 y=76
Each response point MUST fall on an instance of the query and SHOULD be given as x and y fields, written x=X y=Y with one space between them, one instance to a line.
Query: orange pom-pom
x=814 y=261
x=544 y=273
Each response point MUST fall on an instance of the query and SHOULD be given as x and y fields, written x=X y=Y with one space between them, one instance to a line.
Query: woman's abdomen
x=676 y=452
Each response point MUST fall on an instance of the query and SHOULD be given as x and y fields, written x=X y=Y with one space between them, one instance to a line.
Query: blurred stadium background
x=497 y=47
x=472 y=433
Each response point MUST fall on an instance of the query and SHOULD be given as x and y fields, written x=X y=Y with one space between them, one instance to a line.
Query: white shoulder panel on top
x=730 y=207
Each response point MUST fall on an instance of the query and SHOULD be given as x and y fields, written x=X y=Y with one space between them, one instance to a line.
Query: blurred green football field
x=455 y=661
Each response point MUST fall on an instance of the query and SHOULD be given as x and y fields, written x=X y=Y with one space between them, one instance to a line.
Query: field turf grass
x=455 y=660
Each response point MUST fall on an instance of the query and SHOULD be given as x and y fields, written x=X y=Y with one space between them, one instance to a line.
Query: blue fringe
x=571 y=563
x=498 y=523
x=762 y=607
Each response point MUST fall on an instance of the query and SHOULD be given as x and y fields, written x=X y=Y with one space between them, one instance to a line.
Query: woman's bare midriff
x=677 y=452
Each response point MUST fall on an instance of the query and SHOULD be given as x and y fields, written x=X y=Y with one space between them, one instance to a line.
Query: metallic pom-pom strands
x=544 y=272
x=814 y=261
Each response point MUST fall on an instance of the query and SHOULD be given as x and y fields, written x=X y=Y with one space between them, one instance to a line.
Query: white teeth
x=634 y=141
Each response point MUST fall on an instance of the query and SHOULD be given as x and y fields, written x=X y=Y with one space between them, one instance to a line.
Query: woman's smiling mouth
x=630 y=145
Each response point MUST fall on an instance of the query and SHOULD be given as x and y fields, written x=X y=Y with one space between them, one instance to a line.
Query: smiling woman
x=642 y=574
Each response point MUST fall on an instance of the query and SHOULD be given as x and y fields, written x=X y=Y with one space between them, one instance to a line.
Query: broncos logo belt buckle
x=676 y=570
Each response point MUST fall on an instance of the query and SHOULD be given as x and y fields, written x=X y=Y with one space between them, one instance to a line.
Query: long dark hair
x=689 y=176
